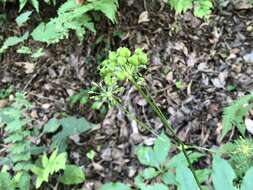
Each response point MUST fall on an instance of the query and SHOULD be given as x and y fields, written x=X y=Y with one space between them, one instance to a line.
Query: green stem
x=147 y=96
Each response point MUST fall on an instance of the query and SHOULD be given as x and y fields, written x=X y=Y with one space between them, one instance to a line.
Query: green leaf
x=181 y=6
x=22 y=3
x=51 y=126
x=24 y=50
x=73 y=175
x=12 y=41
x=50 y=165
x=5 y=182
x=149 y=173
x=203 y=8
x=155 y=186
x=114 y=186
x=35 y=4
x=38 y=53
x=161 y=148
x=247 y=182
x=223 y=175
x=203 y=174
x=156 y=156
x=185 y=178
x=169 y=178
x=23 y=18
x=70 y=126
x=22 y=180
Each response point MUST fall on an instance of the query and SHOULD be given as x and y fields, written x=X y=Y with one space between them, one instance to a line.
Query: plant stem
x=147 y=96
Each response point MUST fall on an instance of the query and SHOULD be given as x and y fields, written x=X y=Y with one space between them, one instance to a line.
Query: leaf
x=38 y=53
x=12 y=41
x=222 y=175
x=156 y=156
x=23 y=18
x=185 y=178
x=50 y=165
x=247 y=182
x=35 y=4
x=161 y=148
x=149 y=173
x=203 y=8
x=24 y=50
x=22 y=3
x=203 y=174
x=169 y=178
x=181 y=6
x=73 y=175
x=70 y=126
x=51 y=126
x=5 y=182
x=114 y=186
x=179 y=159
x=155 y=186
x=23 y=180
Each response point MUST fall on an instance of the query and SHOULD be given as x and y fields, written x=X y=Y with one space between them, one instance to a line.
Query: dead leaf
x=143 y=17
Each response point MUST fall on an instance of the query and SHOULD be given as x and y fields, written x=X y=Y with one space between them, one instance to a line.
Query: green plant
x=201 y=8
x=234 y=114
x=240 y=154
x=123 y=65
x=72 y=16
x=18 y=161
x=162 y=173
x=49 y=166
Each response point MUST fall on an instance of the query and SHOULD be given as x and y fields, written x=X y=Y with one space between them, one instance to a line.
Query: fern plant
x=17 y=133
x=201 y=8
x=234 y=114
x=72 y=16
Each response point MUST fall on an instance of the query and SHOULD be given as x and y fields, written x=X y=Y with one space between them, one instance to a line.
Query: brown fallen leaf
x=3 y=103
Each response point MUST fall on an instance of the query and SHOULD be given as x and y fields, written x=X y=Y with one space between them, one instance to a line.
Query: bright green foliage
x=23 y=18
x=35 y=3
x=72 y=16
x=38 y=53
x=115 y=186
x=240 y=153
x=16 y=132
x=51 y=165
x=73 y=175
x=234 y=114
x=201 y=8
x=12 y=41
x=70 y=126
x=119 y=66
x=24 y=50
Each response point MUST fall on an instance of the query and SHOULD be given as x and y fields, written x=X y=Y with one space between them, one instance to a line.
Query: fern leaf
x=234 y=114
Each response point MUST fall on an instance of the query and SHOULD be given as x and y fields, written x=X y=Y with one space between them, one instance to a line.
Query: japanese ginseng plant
x=123 y=65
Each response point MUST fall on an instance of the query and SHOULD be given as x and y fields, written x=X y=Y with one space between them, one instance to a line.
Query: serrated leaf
x=185 y=179
x=22 y=3
x=247 y=182
x=181 y=6
x=23 y=18
x=12 y=41
x=73 y=175
x=114 y=186
x=222 y=175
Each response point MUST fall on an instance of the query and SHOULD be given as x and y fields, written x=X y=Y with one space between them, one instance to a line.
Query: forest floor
x=196 y=68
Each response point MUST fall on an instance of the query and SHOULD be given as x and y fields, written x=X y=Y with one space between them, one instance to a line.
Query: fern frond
x=234 y=114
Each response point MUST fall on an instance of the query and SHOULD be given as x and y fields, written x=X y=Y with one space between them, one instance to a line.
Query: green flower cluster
x=122 y=65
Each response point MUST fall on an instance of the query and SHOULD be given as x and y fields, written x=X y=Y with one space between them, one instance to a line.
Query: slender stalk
x=147 y=96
